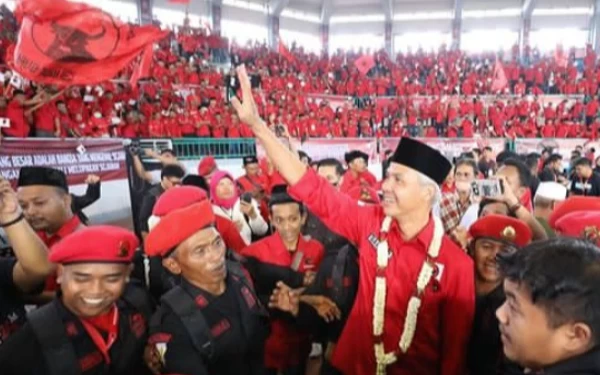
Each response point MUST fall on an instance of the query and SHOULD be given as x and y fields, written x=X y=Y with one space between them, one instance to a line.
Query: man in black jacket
x=212 y=321
x=170 y=176
x=585 y=180
x=550 y=321
x=92 y=194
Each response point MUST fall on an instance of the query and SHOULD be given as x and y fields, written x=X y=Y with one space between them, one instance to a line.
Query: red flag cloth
x=283 y=51
x=500 y=81
x=560 y=58
x=65 y=43
x=364 y=64
x=143 y=69
x=179 y=1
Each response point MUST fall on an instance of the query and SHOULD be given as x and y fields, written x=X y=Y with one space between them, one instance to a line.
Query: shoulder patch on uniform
x=137 y=322
x=220 y=328
x=248 y=297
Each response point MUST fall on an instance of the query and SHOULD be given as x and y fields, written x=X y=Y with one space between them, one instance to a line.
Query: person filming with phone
x=500 y=195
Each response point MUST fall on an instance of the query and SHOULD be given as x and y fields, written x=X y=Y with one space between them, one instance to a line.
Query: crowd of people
x=307 y=267
x=430 y=94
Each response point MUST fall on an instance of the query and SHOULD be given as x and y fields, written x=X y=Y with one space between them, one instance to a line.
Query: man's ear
x=172 y=265
x=578 y=337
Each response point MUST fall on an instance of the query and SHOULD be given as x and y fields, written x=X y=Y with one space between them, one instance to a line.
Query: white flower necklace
x=382 y=358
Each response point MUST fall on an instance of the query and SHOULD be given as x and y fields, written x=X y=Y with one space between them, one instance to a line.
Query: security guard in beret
x=212 y=321
x=490 y=236
x=98 y=325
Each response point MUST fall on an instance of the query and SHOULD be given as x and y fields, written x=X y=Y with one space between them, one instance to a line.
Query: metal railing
x=227 y=148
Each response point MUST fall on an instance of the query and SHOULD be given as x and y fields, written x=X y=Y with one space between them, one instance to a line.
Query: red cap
x=364 y=194
x=206 y=166
x=97 y=244
x=573 y=204
x=177 y=215
x=502 y=228
x=580 y=224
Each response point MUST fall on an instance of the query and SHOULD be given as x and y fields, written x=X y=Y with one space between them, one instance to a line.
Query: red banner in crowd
x=66 y=43
x=319 y=149
x=105 y=158
x=451 y=147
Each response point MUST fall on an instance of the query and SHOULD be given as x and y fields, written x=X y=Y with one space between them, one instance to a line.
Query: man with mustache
x=98 y=324
x=419 y=324
x=550 y=321
x=491 y=235
x=43 y=194
x=454 y=205
x=211 y=322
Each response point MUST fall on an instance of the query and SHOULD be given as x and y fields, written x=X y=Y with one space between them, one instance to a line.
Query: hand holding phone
x=487 y=188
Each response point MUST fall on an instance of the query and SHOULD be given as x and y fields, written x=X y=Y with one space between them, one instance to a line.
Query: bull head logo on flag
x=66 y=43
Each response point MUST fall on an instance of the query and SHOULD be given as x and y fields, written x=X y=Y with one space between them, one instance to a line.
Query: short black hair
x=583 y=162
x=331 y=162
x=468 y=162
x=532 y=159
x=197 y=181
x=167 y=151
x=502 y=156
x=172 y=170
x=552 y=159
x=522 y=169
x=562 y=275
x=484 y=202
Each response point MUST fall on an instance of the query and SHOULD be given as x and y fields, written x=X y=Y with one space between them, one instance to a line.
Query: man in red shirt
x=44 y=197
x=401 y=245
x=252 y=181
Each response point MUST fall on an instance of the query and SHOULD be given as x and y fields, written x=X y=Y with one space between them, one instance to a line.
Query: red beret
x=364 y=194
x=573 y=204
x=177 y=198
x=206 y=166
x=580 y=224
x=177 y=215
x=502 y=228
x=97 y=244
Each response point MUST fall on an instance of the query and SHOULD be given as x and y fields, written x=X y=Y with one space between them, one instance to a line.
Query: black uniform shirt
x=237 y=347
x=22 y=354
x=12 y=310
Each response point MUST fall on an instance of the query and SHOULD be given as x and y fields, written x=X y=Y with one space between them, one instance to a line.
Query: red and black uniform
x=286 y=346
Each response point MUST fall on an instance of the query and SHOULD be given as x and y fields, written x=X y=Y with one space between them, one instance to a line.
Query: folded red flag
x=364 y=64
x=285 y=52
x=65 y=43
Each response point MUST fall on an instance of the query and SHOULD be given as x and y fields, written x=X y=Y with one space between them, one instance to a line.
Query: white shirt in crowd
x=258 y=225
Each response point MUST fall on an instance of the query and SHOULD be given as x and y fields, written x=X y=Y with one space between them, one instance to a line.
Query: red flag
x=364 y=64
x=65 y=43
x=500 y=82
x=283 y=51
x=143 y=69
x=179 y=1
x=560 y=58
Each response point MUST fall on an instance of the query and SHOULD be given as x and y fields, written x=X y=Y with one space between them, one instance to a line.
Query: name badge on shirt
x=373 y=240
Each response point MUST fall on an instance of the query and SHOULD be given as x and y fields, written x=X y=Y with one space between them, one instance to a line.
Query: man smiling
x=98 y=325
x=550 y=322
